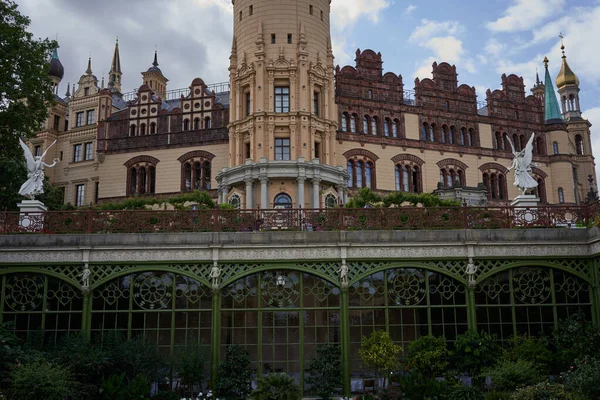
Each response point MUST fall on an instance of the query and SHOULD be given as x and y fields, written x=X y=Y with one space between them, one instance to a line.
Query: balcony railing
x=328 y=219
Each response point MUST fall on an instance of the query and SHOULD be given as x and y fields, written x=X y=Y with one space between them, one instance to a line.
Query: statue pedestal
x=32 y=215
x=525 y=209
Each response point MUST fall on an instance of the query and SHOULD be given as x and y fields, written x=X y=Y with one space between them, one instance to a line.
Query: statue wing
x=529 y=150
x=28 y=156
x=44 y=155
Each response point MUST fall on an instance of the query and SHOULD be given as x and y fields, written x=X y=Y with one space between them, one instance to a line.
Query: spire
x=89 y=68
x=68 y=94
x=566 y=76
x=115 y=65
x=537 y=77
x=551 y=109
x=155 y=63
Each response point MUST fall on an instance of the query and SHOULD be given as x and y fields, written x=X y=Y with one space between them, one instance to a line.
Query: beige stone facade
x=291 y=129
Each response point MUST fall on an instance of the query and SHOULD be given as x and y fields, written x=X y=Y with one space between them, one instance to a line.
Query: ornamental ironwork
x=406 y=286
x=24 y=293
x=153 y=291
x=111 y=292
x=447 y=288
x=280 y=289
x=531 y=285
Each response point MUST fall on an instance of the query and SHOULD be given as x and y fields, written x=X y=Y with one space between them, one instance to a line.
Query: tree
x=379 y=353
x=325 y=371
x=26 y=91
x=234 y=378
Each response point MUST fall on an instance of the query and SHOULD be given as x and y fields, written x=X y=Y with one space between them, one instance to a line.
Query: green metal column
x=595 y=266
x=216 y=337
x=471 y=308
x=345 y=336
x=86 y=318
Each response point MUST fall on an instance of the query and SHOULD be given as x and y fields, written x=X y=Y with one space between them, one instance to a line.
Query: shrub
x=234 y=379
x=138 y=388
x=494 y=395
x=133 y=357
x=509 y=375
x=365 y=196
x=415 y=385
x=163 y=395
x=325 y=371
x=10 y=348
x=379 y=353
x=278 y=386
x=474 y=351
x=544 y=391
x=575 y=338
x=391 y=393
x=466 y=393
x=429 y=355
x=42 y=380
x=535 y=350
x=584 y=377
x=190 y=367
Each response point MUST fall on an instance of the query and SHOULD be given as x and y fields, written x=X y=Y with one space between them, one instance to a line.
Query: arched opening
x=196 y=124
x=142 y=129
x=186 y=124
x=132 y=130
x=207 y=124
x=282 y=200
x=152 y=128
x=344 y=125
x=579 y=145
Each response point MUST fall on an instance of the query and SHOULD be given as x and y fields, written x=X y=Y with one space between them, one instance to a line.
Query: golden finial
x=562 y=45
x=546 y=62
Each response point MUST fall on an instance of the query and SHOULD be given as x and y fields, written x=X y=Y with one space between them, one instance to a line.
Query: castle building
x=292 y=130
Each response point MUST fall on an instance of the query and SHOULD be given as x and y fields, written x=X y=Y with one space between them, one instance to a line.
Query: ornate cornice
x=141 y=159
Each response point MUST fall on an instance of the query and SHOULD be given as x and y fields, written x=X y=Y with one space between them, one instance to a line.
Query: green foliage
x=278 y=386
x=134 y=357
x=367 y=197
x=584 y=377
x=466 y=393
x=325 y=371
x=474 y=351
x=42 y=380
x=535 y=350
x=429 y=355
x=416 y=386
x=53 y=197
x=226 y=206
x=575 y=338
x=545 y=391
x=234 y=379
x=379 y=353
x=138 y=388
x=202 y=199
x=10 y=348
x=190 y=367
x=113 y=387
x=390 y=393
x=26 y=92
x=509 y=375
x=163 y=395
x=494 y=395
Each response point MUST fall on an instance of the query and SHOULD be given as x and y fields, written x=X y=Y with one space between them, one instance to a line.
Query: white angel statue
x=521 y=164
x=35 y=172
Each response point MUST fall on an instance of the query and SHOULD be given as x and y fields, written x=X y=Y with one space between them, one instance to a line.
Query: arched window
x=186 y=124
x=561 y=195
x=132 y=130
x=495 y=184
x=463 y=137
x=522 y=142
x=395 y=126
x=196 y=170
x=142 y=129
x=579 y=145
x=555 y=147
x=444 y=135
x=499 y=141
x=207 y=123
x=330 y=201
x=425 y=131
x=452 y=137
x=471 y=137
x=540 y=190
x=141 y=175
x=235 y=201
x=539 y=146
x=408 y=178
x=386 y=127
x=516 y=142
x=353 y=119
x=344 y=126
x=365 y=124
x=152 y=128
x=361 y=173
x=506 y=144
x=282 y=200
x=374 y=122
x=432 y=129
x=452 y=177
x=196 y=124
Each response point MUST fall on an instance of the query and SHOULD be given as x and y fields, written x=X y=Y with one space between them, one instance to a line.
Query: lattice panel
x=71 y=272
x=328 y=268
x=580 y=265
x=358 y=268
x=452 y=267
x=486 y=266
x=366 y=289
x=232 y=271
x=200 y=270
x=240 y=290
x=105 y=272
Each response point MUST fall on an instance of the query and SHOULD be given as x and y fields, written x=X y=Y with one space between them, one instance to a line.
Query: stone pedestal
x=32 y=215
x=525 y=209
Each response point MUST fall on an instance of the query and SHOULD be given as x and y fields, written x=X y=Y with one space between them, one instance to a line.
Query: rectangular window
x=247 y=102
x=91 y=114
x=240 y=15
x=316 y=103
x=321 y=15
x=251 y=10
x=66 y=124
x=318 y=150
x=89 y=151
x=273 y=38
x=282 y=99
x=79 y=119
x=37 y=151
x=247 y=145
x=79 y=195
x=77 y=155
x=289 y=38
x=310 y=9
x=86 y=91
x=56 y=122
x=97 y=192
x=61 y=156
x=282 y=149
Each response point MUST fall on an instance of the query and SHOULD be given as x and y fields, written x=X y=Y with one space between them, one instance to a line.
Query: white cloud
x=428 y=29
x=424 y=68
x=409 y=10
x=522 y=15
x=446 y=48
x=494 y=47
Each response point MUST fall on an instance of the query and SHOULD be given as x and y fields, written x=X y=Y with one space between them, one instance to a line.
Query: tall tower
x=282 y=106
x=57 y=71
x=539 y=89
x=568 y=88
x=114 y=76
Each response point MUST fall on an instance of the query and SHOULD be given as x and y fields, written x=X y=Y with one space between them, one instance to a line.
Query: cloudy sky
x=483 y=38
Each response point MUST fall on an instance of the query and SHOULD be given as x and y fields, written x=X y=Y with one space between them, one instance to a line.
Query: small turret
x=57 y=71
x=568 y=88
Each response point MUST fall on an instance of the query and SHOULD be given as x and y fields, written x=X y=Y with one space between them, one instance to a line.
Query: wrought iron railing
x=329 y=219
x=219 y=87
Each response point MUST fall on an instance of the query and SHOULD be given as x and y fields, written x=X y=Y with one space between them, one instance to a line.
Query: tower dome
x=566 y=76
x=56 y=68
